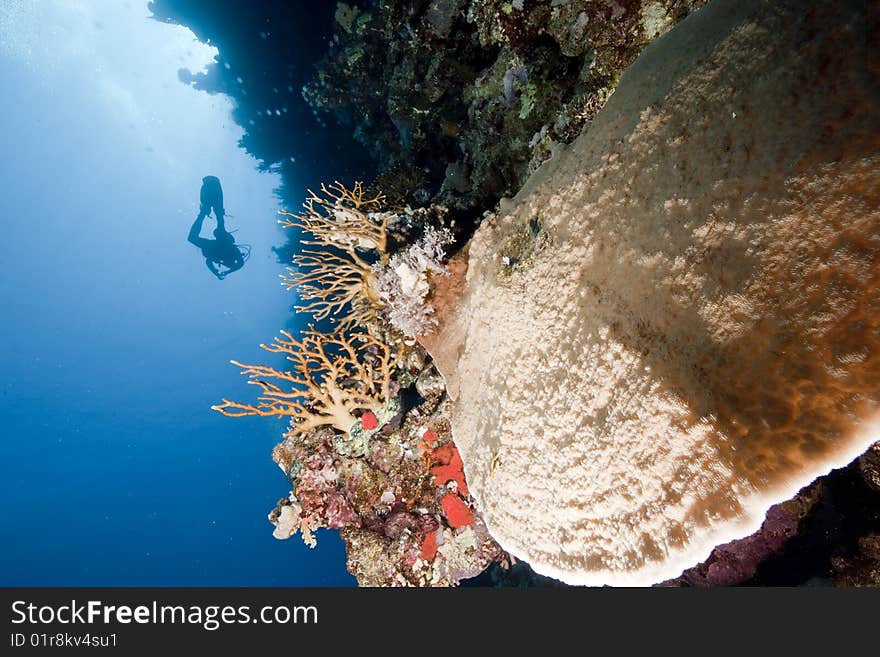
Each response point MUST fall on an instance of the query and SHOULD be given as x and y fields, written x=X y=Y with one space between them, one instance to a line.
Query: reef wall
x=458 y=101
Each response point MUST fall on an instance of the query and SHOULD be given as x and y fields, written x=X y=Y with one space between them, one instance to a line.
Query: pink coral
x=338 y=511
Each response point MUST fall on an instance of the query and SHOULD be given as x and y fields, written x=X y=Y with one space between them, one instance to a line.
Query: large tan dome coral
x=676 y=323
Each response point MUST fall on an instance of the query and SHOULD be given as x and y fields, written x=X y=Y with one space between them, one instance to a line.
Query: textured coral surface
x=676 y=323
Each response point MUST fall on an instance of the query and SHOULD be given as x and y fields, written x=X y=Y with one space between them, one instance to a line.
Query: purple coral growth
x=514 y=79
x=738 y=561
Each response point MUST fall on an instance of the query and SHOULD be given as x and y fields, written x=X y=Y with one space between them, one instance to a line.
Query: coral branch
x=343 y=218
x=332 y=377
x=339 y=284
x=333 y=286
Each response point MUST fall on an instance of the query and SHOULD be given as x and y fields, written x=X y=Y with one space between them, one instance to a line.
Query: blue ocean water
x=117 y=338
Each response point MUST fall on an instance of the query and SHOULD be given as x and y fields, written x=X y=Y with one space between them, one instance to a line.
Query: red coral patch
x=369 y=421
x=429 y=438
x=429 y=546
x=457 y=512
x=443 y=454
x=452 y=468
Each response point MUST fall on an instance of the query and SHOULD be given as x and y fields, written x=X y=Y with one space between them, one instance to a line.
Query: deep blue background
x=116 y=337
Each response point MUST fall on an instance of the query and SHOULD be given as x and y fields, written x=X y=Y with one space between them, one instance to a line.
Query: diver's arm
x=213 y=268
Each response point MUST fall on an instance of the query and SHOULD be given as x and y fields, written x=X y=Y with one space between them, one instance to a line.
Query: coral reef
x=459 y=102
x=861 y=569
x=390 y=500
x=364 y=454
x=466 y=97
x=699 y=295
x=354 y=277
x=869 y=466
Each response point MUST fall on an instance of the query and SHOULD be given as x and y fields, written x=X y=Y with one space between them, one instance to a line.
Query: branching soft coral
x=332 y=377
x=339 y=285
x=402 y=283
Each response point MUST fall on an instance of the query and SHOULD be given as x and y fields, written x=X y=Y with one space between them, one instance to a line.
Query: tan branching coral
x=339 y=285
x=344 y=218
x=335 y=287
x=332 y=377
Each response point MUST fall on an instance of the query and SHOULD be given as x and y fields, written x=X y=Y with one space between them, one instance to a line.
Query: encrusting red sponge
x=457 y=512
x=369 y=421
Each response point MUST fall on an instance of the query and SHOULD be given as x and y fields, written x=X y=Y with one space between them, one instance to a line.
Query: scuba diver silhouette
x=221 y=251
